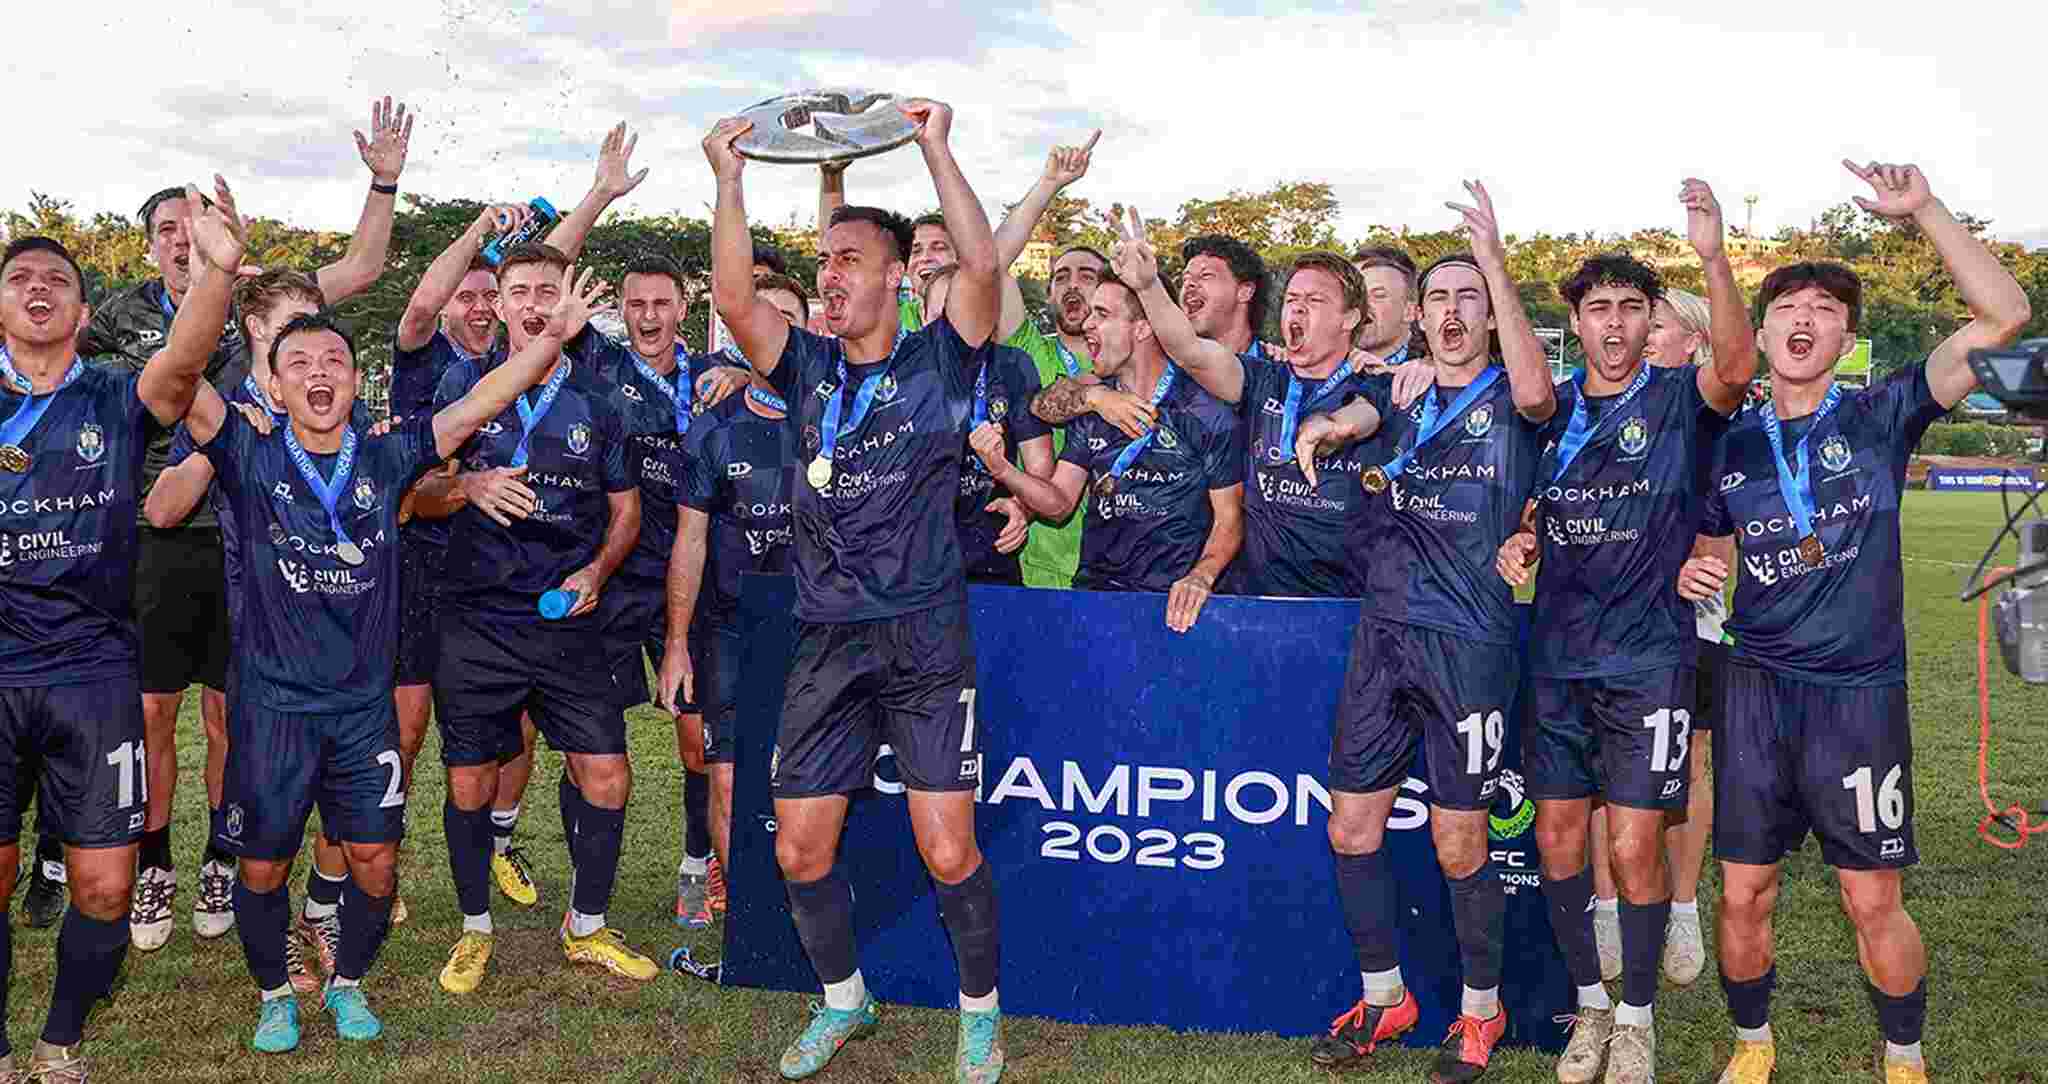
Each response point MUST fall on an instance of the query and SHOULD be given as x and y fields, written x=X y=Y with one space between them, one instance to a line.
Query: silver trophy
x=815 y=126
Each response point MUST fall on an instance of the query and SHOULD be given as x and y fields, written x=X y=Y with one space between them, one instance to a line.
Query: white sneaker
x=1632 y=1055
x=1685 y=951
x=1607 y=938
x=149 y=916
x=214 y=913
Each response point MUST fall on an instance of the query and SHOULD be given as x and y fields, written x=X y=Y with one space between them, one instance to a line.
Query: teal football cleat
x=277 y=1030
x=352 y=1016
x=829 y=1030
x=980 y=1058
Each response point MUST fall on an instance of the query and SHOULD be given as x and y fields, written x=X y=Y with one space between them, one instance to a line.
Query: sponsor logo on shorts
x=1892 y=848
x=970 y=768
x=1671 y=787
x=233 y=827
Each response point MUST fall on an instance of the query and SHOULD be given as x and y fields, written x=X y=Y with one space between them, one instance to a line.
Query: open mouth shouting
x=1613 y=347
x=1296 y=334
x=1453 y=333
x=534 y=325
x=835 y=305
x=1192 y=304
x=320 y=396
x=1800 y=345
x=40 y=310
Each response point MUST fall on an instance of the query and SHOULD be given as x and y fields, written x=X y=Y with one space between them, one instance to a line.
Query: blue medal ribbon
x=33 y=406
x=732 y=354
x=530 y=416
x=328 y=492
x=1067 y=359
x=1136 y=448
x=980 y=414
x=257 y=393
x=1290 y=411
x=863 y=399
x=1398 y=357
x=768 y=399
x=163 y=301
x=1797 y=485
x=1434 y=420
x=1580 y=429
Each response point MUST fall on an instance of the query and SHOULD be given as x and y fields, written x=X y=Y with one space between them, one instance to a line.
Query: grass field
x=185 y=1013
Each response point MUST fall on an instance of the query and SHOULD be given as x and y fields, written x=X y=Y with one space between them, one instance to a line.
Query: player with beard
x=1434 y=659
x=1223 y=291
x=884 y=651
x=1390 y=307
x=1616 y=503
x=72 y=455
x=504 y=657
x=1816 y=733
x=738 y=482
x=181 y=601
x=1165 y=510
x=931 y=244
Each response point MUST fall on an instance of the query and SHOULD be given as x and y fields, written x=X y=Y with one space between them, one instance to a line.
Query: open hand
x=1704 y=226
x=579 y=298
x=614 y=163
x=390 y=138
x=1482 y=227
x=1016 y=523
x=1184 y=600
x=499 y=493
x=1901 y=190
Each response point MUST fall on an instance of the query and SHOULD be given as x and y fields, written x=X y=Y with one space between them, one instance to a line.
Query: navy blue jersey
x=879 y=540
x=316 y=634
x=182 y=449
x=415 y=378
x=1012 y=382
x=740 y=469
x=1150 y=531
x=1431 y=538
x=1296 y=539
x=1616 y=526
x=1842 y=623
x=646 y=404
x=67 y=534
x=576 y=456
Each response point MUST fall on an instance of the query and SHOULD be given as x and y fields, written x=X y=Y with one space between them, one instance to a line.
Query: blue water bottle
x=544 y=217
x=557 y=602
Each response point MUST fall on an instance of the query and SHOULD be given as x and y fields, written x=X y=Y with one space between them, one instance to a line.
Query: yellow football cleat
x=608 y=950
x=515 y=877
x=465 y=970
x=1899 y=1072
x=1751 y=1064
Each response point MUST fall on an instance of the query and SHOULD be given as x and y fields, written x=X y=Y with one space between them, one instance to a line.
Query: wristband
x=384 y=189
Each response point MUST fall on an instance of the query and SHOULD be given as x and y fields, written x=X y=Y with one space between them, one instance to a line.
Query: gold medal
x=1811 y=552
x=1374 y=480
x=819 y=473
x=13 y=459
x=1105 y=486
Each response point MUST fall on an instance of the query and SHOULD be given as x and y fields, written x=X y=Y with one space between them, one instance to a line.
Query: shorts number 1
x=127 y=758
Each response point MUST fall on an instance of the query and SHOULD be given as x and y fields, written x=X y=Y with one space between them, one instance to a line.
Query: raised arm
x=178 y=490
x=384 y=153
x=976 y=300
x=444 y=276
x=831 y=195
x=1063 y=166
x=454 y=423
x=752 y=320
x=1528 y=368
x=1998 y=306
x=1213 y=365
x=174 y=375
x=1724 y=383
x=614 y=179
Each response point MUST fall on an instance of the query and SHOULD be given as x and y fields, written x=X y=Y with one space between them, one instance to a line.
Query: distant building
x=1035 y=262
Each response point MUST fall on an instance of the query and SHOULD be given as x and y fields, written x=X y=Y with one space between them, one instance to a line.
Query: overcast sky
x=1580 y=114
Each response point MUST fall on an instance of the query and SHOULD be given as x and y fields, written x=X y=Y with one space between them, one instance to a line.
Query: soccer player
x=1224 y=292
x=884 y=650
x=1166 y=509
x=502 y=658
x=1815 y=733
x=1434 y=658
x=72 y=450
x=1390 y=306
x=931 y=244
x=1295 y=515
x=1616 y=501
x=735 y=492
x=180 y=578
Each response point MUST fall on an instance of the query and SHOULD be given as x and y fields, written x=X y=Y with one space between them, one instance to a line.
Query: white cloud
x=1580 y=114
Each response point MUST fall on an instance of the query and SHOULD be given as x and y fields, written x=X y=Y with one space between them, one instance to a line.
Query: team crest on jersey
x=1834 y=453
x=365 y=494
x=277 y=535
x=1480 y=421
x=579 y=439
x=886 y=390
x=999 y=409
x=1167 y=439
x=1635 y=436
x=92 y=443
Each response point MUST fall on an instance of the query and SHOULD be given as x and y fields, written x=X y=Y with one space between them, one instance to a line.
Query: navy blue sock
x=1571 y=919
x=595 y=851
x=263 y=919
x=1365 y=886
x=322 y=891
x=969 y=911
x=823 y=910
x=1901 y=1019
x=1749 y=1002
x=469 y=856
x=1642 y=950
x=89 y=955
x=1479 y=909
x=49 y=848
x=365 y=921
x=571 y=801
x=696 y=815
x=156 y=849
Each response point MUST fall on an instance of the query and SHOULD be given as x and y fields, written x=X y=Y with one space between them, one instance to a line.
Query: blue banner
x=1982 y=479
x=1152 y=806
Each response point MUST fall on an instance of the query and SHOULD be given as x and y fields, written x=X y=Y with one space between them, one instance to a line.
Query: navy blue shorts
x=494 y=668
x=420 y=568
x=1406 y=684
x=1624 y=738
x=79 y=748
x=906 y=682
x=1793 y=756
x=1711 y=674
x=636 y=624
x=281 y=764
x=716 y=657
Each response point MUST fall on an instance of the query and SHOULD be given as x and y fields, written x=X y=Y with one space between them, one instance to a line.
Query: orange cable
x=2016 y=813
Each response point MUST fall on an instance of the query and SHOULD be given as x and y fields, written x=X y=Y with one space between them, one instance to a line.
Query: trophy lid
x=813 y=126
